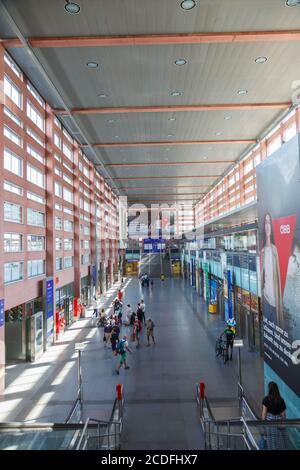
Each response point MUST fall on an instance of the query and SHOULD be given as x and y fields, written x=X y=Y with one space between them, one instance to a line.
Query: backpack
x=121 y=347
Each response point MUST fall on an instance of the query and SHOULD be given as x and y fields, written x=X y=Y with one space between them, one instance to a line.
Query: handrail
x=249 y=435
x=73 y=409
x=274 y=423
x=83 y=434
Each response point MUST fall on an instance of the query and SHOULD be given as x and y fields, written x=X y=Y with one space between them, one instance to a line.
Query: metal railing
x=76 y=410
x=108 y=436
x=246 y=432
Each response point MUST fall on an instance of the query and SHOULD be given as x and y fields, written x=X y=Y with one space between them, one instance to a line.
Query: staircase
x=155 y=264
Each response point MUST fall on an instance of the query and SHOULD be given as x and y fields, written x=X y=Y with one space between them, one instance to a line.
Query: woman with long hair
x=274 y=408
x=270 y=276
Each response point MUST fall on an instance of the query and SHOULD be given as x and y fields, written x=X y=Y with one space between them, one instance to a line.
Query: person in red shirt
x=120 y=295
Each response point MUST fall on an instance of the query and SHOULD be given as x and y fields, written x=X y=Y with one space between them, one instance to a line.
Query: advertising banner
x=49 y=308
x=278 y=188
x=1 y=312
x=206 y=283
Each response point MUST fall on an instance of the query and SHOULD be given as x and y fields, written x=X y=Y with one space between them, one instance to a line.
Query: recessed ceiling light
x=92 y=65
x=292 y=3
x=188 y=4
x=204 y=158
x=166 y=159
x=167 y=149
x=172 y=119
x=176 y=93
x=116 y=136
x=110 y=121
x=102 y=95
x=209 y=148
x=261 y=60
x=242 y=92
x=171 y=135
x=72 y=8
x=227 y=118
x=180 y=62
x=218 y=133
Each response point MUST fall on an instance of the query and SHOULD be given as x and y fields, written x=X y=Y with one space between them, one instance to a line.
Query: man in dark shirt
x=140 y=314
x=114 y=339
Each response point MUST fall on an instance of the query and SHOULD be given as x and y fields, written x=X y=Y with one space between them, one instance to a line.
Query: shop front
x=24 y=331
x=15 y=334
x=86 y=290
x=64 y=314
x=131 y=267
x=249 y=319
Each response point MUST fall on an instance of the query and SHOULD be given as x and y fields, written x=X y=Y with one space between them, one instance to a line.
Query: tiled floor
x=160 y=384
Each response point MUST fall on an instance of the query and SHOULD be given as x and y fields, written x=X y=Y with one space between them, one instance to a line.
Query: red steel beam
x=176 y=143
x=157 y=39
x=135 y=188
x=167 y=109
x=164 y=194
x=160 y=177
x=164 y=200
x=110 y=165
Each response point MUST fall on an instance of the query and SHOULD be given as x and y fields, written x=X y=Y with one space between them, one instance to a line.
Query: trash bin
x=212 y=307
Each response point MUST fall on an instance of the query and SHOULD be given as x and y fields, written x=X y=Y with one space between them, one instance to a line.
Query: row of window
x=15 y=271
x=61 y=191
x=13 y=242
x=14 y=164
x=67 y=225
x=14 y=213
x=66 y=262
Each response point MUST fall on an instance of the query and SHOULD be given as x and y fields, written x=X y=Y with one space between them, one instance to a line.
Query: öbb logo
x=285 y=229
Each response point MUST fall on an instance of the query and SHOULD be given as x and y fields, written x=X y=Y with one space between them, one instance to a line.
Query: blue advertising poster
x=213 y=290
x=94 y=275
x=228 y=295
x=1 y=312
x=49 y=306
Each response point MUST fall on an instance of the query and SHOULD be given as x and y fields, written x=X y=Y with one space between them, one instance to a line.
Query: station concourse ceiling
x=160 y=131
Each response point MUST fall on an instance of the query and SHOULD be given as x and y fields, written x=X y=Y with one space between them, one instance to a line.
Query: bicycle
x=221 y=349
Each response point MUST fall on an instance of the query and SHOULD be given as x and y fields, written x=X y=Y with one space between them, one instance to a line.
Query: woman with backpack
x=121 y=349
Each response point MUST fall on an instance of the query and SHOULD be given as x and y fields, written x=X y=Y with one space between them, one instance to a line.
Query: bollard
x=119 y=389
x=201 y=390
x=201 y=396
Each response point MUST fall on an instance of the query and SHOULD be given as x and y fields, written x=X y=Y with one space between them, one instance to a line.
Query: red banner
x=284 y=229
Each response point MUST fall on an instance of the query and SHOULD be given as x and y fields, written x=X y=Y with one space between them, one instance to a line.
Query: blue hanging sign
x=1 y=312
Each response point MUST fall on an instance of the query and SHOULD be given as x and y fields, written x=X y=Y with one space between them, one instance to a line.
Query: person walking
x=107 y=333
x=150 y=331
x=137 y=329
x=114 y=339
x=121 y=349
x=140 y=314
x=95 y=307
x=274 y=408
x=128 y=314
x=143 y=308
x=120 y=295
